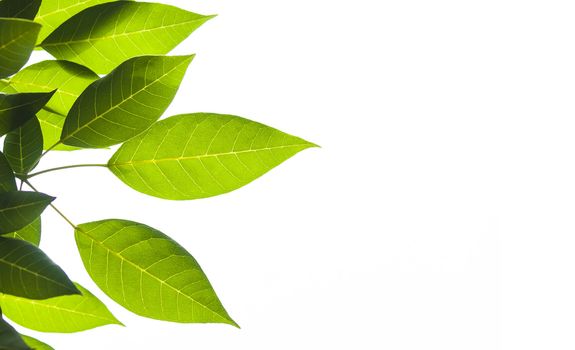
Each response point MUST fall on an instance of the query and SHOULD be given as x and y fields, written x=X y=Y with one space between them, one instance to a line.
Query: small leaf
x=35 y=343
x=26 y=9
x=10 y=339
x=17 y=109
x=7 y=179
x=148 y=273
x=23 y=146
x=200 y=155
x=31 y=233
x=124 y=103
x=16 y=44
x=65 y=314
x=103 y=36
x=25 y=271
x=19 y=209
x=55 y=12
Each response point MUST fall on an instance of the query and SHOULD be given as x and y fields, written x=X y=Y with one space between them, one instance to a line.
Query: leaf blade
x=25 y=9
x=35 y=343
x=9 y=338
x=7 y=178
x=17 y=42
x=17 y=109
x=31 y=233
x=19 y=209
x=23 y=146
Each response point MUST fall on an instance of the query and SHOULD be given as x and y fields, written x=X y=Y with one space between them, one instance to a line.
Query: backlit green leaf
x=148 y=273
x=7 y=179
x=23 y=146
x=103 y=36
x=52 y=124
x=201 y=155
x=6 y=88
x=10 y=339
x=31 y=233
x=55 y=12
x=26 y=9
x=16 y=44
x=27 y=272
x=124 y=103
x=65 y=314
x=20 y=209
x=35 y=344
x=17 y=109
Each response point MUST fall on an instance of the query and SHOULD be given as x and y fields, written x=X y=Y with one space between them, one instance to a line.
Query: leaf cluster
x=108 y=88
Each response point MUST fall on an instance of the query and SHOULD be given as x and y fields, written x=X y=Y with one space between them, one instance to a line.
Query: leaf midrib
x=19 y=267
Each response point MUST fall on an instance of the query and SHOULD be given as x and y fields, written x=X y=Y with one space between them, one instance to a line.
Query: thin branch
x=65 y=167
x=53 y=207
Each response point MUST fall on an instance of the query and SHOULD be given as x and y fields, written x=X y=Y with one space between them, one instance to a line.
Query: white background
x=437 y=215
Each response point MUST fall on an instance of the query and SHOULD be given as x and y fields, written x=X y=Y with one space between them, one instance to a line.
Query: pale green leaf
x=148 y=273
x=6 y=88
x=9 y=338
x=7 y=179
x=125 y=102
x=26 y=9
x=200 y=155
x=106 y=35
x=65 y=314
x=35 y=344
x=55 y=12
x=16 y=44
x=20 y=209
x=31 y=233
x=23 y=146
x=27 y=272
x=52 y=124
x=17 y=109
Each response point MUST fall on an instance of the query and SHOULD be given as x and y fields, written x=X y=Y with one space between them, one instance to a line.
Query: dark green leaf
x=17 y=109
x=103 y=36
x=25 y=271
x=65 y=314
x=23 y=146
x=26 y=9
x=124 y=103
x=10 y=339
x=16 y=44
x=35 y=344
x=20 y=209
x=7 y=179
x=31 y=233
x=148 y=273
x=201 y=155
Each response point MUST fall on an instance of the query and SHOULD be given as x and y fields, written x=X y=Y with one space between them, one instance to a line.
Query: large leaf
x=31 y=233
x=103 y=36
x=9 y=338
x=148 y=273
x=66 y=314
x=17 y=109
x=124 y=103
x=19 y=209
x=27 y=272
x=7 y=179
x=55 y=12
x=26 y=9
x=35 y=343
x=16 y=44
x=201 y=155
x=23 y=146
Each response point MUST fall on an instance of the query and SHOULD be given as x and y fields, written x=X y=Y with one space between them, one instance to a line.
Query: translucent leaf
x=20 y=209
x=7 y=179
x=201 y=155
x=10 y=339
x=35 y=343
x=27 y=272
x=31 y=233
x=16 y=44
x=17 y=109
x=103 y=36
x=26 y=9
x=23 y=147
x=65 y=314
x=125 y=102
x=148 y=273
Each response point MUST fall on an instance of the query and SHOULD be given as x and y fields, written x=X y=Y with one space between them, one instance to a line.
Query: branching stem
x=65 y=167
x=53 y=207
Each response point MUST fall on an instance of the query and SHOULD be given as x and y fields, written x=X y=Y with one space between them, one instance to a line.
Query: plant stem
x=66 y=167
x=50 y=148
x=53 y=207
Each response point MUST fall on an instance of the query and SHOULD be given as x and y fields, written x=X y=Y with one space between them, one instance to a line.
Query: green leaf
x=16 y=44
x=35 y=343
x=31 y=233
x=20 y=209
x=148 y=273
x=23 y=146
x=103 y=36
x=65 y=314
x=52 y=124
x=55 y=12
x=10 y=339
x=124 y=103
x=27 y=272
x=17 y=109
x=200 y=155
x=6 y=88
x=7 y=179
x=26 y=9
